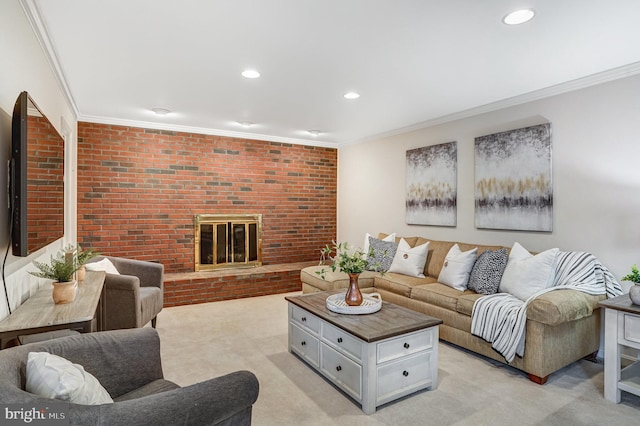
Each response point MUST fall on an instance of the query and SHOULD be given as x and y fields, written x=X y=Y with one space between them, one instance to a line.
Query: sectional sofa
x=561 y=327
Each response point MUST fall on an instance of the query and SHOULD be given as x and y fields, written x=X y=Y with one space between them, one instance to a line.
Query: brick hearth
x=186 y=288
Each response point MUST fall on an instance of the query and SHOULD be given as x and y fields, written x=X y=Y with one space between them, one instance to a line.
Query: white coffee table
x=374 y=358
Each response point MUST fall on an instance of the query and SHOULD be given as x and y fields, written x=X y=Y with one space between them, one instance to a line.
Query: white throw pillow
x=457 y=267
x=102 y=265
x=410 y=261
x=365 y=245
x=52 y=376
x=527 y=274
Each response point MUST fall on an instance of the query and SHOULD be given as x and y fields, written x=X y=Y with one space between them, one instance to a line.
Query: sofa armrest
x=150 y=274
x=123 y=301
x=206 y=403
x=560 y=306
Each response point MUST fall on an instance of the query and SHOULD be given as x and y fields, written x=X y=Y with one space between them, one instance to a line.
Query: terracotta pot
x=353 y=296
x=81 y=273
x=634 y=294
x=64 y=292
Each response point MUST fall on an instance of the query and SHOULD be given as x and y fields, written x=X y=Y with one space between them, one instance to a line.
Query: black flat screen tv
x=36 y=179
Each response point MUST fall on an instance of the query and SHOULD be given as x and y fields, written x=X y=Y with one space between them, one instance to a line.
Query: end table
x=621 y=329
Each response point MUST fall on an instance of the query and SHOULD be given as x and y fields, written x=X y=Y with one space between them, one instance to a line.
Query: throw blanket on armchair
x=500 y=318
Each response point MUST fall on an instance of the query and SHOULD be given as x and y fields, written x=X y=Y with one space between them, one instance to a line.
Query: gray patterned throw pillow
x=487 y=271
x=380 y=254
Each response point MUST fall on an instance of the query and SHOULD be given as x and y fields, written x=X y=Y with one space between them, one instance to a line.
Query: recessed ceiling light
x=245 y=124
x=314 y=132
x=250 y=74
x=351 y=95
x=519 y=17
x=160 y=111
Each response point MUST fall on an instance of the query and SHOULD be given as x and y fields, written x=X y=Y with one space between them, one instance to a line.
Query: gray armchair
x=127 y=364
x=134 y=297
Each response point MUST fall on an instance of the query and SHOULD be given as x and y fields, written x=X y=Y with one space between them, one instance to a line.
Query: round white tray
x=371 y=302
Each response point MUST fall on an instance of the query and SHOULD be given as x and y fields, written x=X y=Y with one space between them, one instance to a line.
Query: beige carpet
x=211 y=339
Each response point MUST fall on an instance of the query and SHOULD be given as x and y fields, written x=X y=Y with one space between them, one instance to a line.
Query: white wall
x=25 y=67
x=596 y=176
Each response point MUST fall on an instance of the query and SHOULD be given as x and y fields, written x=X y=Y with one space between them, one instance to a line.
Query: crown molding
x=203 y=131
x=33 y=16
x=558 y=89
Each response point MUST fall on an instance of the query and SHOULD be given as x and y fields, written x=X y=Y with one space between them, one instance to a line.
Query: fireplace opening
x=227 y=241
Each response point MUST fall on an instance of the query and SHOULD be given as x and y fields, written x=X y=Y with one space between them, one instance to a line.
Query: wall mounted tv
x=36 y=182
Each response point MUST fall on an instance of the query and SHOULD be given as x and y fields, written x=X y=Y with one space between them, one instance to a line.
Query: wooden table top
x=621 y=303
x=390 y=321
x=39 y=311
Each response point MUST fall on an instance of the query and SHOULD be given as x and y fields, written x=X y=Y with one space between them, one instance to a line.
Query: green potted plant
x=350 y=261
x=634 y=291
x=61 y=270
x=346 y=259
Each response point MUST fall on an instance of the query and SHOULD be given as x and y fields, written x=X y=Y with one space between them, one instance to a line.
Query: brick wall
x=139 y=189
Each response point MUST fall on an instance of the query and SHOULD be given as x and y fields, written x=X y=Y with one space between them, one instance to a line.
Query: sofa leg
x=537 y=379
x=153 y=322
x=593 y=357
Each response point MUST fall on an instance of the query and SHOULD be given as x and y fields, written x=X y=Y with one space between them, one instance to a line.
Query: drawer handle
x=339 y=339
x=338 y=368
x=406 y=346
x=405 y=373
x=303 y=343
x=304 y=319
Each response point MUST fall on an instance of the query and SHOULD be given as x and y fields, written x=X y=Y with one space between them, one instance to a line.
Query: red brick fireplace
x=139 y=190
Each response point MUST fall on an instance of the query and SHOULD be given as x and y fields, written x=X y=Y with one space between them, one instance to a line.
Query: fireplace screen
x=228 y=241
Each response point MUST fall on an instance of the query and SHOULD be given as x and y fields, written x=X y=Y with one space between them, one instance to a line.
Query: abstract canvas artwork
x=513 y=187
x=431 y=185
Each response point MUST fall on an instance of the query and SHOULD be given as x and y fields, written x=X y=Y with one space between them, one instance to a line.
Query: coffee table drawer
x=342 y=371
x=305 y=319
x=304 y=344
x=404 y=345
x=403 y=377
x=342 y=341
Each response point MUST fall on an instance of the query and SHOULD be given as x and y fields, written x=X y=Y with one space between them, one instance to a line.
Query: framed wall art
x=431 y=197
x=513 y=186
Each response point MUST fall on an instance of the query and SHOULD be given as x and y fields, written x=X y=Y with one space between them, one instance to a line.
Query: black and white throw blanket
x=501 y=318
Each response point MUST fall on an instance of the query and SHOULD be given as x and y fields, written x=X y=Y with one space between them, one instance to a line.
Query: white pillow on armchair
x=52 y=376
x=102 y=265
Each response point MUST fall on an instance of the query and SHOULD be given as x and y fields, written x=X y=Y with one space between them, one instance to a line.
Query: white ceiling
x=413 y=61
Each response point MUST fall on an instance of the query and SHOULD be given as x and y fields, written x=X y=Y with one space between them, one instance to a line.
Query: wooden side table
x=621 y=329
x=39 y=314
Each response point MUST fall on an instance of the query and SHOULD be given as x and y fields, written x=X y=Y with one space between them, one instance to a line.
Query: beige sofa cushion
x=410 y=240
x=333 y=280
x=466 y=301
x=437 y=252
x=399 y=284
x=439 y=295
